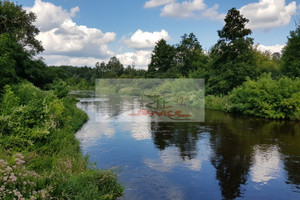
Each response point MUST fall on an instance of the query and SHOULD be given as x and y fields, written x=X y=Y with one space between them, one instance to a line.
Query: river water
x=226 y=157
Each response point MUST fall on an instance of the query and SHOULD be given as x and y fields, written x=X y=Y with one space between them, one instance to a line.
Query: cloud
x=140 y=58
x=62 y=37
x=146 y=40
x=73 y=40
x=212 y=13
x=267 y=14
x=50 y=16
x=58 y=60
x=272 y=49
x=155 y=3
x=186 y=9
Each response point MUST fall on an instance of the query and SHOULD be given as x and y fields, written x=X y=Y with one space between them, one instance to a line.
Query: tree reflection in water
x=243 y=151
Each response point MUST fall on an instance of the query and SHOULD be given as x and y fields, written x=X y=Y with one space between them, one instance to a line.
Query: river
x=226 y=157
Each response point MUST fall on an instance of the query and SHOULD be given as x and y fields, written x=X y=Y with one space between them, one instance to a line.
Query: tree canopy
x=189 y=55
x=19 y=24
x=162 y=59
x=291 y=54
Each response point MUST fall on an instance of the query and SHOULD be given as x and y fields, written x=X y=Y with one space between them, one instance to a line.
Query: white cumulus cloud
x=272 y=49
x=61 y=36
x=146 y=40
x=155 y=3
x=186 y=9
x=140 y=58
x=268 y=14
x=71 y=39
x=58 y=60
x=50 y=16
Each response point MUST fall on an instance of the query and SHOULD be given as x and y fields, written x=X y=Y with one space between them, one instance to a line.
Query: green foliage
x=28 y=118
x=7 y=61
x=19 y=24
x=92 y=184
x=114 y=66
x=60 y=88
x=218 y=103
x=162 y=61
x=42 y=126
x=267 y=63
x=173 y=62
x=232 y=57
x=189 y=55
x=291 y=55
x=17 y=46
x=268 y=98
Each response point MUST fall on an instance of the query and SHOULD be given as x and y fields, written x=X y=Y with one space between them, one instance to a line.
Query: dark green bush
x=268 y=98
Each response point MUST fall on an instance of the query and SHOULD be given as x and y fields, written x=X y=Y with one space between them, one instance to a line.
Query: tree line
x=227 y=65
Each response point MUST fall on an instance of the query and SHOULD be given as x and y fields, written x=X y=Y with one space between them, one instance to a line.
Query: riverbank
x=40 y=157
x=266 y=98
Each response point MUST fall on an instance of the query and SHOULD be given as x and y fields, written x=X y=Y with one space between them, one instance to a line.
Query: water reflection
x=172 y=156
x=228 y=156
x=231 y=159
x=184 y=136
x=266 y=163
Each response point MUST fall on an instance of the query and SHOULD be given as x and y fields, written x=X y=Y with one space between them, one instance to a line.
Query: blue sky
x=82 y=32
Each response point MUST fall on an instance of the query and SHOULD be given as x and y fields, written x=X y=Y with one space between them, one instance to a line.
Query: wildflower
x=3 y=163
x=8 y=169
x=19 y=161
x=20 y=156
x=12 y=177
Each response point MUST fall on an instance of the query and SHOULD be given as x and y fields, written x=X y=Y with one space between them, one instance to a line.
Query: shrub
x=29 y=117
x=268 y=98
x=218 y=102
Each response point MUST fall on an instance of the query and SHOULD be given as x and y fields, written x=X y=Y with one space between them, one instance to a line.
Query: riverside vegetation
x=40 y=157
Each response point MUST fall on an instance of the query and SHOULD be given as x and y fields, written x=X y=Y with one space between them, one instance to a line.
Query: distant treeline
x=228 y=64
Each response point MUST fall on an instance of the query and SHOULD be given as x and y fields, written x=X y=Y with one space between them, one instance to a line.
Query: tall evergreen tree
x=232 y=56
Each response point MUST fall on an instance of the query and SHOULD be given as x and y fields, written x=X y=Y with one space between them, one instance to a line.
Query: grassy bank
x=40 y=157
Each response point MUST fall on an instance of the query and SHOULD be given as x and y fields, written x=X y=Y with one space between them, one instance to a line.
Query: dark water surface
x=226 y=157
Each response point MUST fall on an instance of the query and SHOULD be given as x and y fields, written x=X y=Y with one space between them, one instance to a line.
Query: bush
x=29 y=117
x=268 y=98
x=221 y=103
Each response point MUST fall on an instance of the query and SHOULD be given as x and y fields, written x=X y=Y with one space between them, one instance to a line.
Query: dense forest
x=39 y=155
